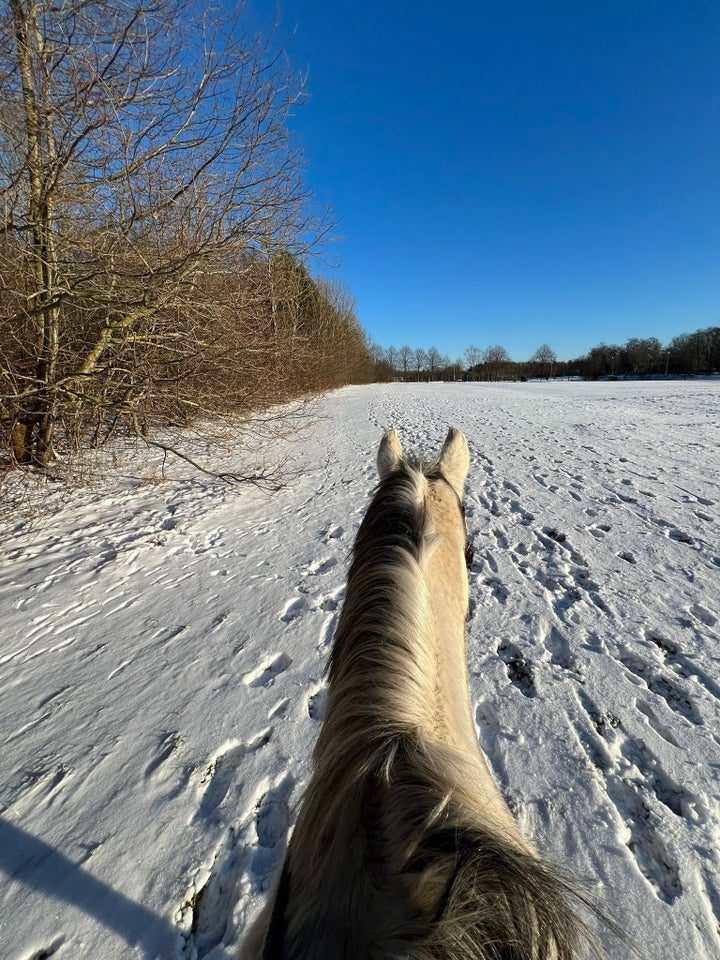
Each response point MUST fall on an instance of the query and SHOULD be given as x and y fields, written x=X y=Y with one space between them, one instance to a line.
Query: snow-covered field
x=163 y=643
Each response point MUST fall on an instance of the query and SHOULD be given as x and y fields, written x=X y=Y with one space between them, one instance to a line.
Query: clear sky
x=520 y=172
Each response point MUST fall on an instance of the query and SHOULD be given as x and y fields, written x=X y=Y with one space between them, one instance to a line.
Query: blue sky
x=517 y=173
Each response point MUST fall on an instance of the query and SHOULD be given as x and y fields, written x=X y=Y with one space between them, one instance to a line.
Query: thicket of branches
x=688 y=354
x=154 y=227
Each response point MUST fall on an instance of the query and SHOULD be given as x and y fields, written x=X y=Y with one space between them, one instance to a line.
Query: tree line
x=155 y=227
x=688 y=354
x=488 y=364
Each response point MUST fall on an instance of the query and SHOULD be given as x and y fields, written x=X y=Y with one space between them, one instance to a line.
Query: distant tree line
x=154 y=228
x=489 y=364
x=687 y=354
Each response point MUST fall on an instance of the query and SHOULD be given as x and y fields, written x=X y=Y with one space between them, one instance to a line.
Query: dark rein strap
x=274 y=946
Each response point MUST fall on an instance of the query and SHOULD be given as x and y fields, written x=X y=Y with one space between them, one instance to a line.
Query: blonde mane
x=404 y=847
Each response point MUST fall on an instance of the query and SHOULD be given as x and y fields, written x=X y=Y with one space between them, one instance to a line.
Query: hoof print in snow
x=490 y=735
x=321 y=566
x=519 y=670
x=222 y=771
x=499 y=591
x=246 y=859
x=643 y=792
x=44 y=953
x=558 y=646
x=265 y=675
x=205 y=915
x=704 y=615
x=169 y=742
x=627 y=557
x=651 y=855
x=293 y=610
x=272 y=823
x=217 y=780
x=646 y=674
x=680 y=536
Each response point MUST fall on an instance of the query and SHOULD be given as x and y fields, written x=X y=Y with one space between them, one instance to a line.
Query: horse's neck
x=446 y=590
x=455 y=725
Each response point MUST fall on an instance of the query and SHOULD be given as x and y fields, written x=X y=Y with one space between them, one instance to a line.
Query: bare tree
x=474 y=356
x=420 y=360
x=406 y=360
x=148 y=185
x=435 y=362
x=393 y=359
x=545 y=357
x=497 y=358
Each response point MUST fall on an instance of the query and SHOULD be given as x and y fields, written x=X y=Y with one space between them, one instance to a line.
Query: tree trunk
x=32 y=437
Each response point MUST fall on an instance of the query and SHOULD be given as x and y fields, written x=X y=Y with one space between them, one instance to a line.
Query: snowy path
x=162 y=648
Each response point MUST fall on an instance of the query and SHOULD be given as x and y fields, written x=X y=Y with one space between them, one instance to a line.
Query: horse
x=404 y=846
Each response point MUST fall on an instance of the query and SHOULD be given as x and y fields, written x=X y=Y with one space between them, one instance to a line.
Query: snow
x=163 y=643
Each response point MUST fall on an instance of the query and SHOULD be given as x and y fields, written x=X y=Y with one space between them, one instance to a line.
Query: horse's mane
x=441 y=886
x=384 y=604
x=391 y=857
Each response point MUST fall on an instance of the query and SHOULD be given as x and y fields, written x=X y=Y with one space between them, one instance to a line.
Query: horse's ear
x=455 y=460
x=390 y=454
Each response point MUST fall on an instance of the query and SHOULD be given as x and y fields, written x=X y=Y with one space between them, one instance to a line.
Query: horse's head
x=453 y=463
x=445 y=479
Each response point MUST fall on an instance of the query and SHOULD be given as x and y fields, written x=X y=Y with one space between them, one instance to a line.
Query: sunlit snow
x=163 y=644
